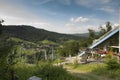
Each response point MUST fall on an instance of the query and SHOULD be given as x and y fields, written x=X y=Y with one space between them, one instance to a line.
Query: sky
x=62 y=16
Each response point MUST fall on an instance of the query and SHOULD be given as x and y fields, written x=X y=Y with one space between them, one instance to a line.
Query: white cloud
x=79 y=19
x=14 y=14
x=12 y=10
x=108 y=9
x=92 y=3
x=39 y=2
x=81 y=28
x=86 y=3
x=69 y=24
x=73 y=27
x=104 y=5
x=44 y=25
x=65 y=2
x=116 y=24
x=106 y=1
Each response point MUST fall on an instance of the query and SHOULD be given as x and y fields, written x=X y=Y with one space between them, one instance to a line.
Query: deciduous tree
x=108 y=26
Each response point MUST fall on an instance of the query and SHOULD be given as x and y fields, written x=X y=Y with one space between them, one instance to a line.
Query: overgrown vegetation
x=109 y=70
x=112 y=63
x=69 y=48
x=4 y=68
x=45 y=70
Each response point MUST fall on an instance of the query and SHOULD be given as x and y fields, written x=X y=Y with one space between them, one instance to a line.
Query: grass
x=93 y=71
x=45 y=71
x=85 y=67
x=24 y=71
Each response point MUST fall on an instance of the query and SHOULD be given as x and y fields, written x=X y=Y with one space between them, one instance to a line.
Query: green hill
x=33 y=34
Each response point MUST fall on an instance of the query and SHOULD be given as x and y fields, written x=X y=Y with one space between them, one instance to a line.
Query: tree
x=91 y=33
x=4 y=69
x=6 y=58
x=101 y=32
x=104 y=30
x=69 y=48
x=92 y=36
x=83 y=43
x=7 y=61
x=1 y=26
x=108 y=26
x=11 y=61
x=1 y=21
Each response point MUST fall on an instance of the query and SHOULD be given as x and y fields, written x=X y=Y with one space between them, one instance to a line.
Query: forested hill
x=33 y=34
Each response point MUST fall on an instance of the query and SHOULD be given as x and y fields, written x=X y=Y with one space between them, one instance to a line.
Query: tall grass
x=24 y=71
x=45 y=71
x=97 y=70
x=85 y=67
x=106 y=73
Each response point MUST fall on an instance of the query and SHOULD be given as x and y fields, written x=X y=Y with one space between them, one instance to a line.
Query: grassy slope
x=92 y=72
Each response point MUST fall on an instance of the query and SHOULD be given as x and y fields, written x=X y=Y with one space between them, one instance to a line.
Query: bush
x=100 y=70
x=4 y=67
x=112 y=64
x=45 y=71
x=24 y=71
x=50 y=72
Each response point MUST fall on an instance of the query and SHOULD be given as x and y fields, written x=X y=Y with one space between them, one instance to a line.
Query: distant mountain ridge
x=33 y=34
x=86 y=35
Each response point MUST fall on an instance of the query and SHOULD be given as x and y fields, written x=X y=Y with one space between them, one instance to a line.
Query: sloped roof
x=104 y=37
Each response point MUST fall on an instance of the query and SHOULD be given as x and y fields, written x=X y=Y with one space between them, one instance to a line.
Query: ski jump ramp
x=101 y=39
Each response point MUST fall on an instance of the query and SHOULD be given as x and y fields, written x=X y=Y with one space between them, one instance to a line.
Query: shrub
x=50 y=72
x=4 y=66
x=24 y=71
x=112 y=64
x=100 y=70
x=45 y=71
